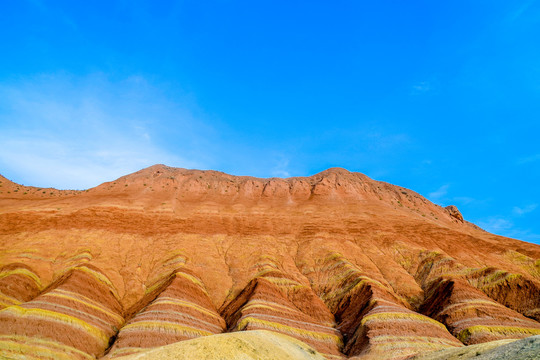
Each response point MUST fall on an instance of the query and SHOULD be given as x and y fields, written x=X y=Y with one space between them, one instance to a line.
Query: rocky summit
x=335 y=266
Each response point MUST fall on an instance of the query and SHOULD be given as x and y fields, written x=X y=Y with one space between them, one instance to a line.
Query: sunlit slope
x=353 y=267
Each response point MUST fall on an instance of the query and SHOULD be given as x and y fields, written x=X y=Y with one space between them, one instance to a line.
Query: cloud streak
x=69 y=132
x=529 y=159
x=504 y=227
x=516 y=14
x=439 y=194
x=520 y=211
x=421 y=87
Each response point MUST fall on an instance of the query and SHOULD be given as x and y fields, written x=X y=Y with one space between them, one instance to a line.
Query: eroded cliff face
x=353 y=267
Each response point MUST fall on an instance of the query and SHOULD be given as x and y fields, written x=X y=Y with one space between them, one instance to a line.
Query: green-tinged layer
x=465 y=334
x=289 y=330
x=393 y=316
x=22 y=347
x=167 y=326
x=47 y=315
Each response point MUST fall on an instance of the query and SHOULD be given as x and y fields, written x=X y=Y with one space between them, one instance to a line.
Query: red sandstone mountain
x=353 y=267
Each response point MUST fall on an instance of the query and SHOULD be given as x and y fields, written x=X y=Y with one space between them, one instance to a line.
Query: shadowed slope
x=516 y=291
x=472 y=316
x=373 y=320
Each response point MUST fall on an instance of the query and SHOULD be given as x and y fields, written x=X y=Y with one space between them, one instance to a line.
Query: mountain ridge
x=322 y=183
x=346 y=264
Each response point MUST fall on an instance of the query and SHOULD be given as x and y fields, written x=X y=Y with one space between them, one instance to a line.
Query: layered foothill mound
x=273 y=301
x=75 y=318
x=512 y=290
x=18 y=284
x=472 y=316
x=352 y=267
x=373 y=319
x=174 y=309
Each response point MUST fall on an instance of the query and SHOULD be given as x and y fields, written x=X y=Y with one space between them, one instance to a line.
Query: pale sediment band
x=23 y=347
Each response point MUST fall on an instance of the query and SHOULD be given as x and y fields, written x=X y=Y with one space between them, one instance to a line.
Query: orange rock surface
x=353 y=267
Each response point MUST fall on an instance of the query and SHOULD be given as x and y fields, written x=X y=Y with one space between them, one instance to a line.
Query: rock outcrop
x=454 y=212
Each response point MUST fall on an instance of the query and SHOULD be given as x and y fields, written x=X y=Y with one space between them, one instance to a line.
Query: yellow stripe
x=183 y=303
x=153 y=325
x=192 y=278
x=95 y=307
x=389 y=339
x=48 y=315
x=289 y=330
x=102 y=278
x=27 y=345
x=21 y=271
x=469 y=303
x=86 y=255
x=9 y=300
x=465 y=334
x=155 y=286
x=389 y=316
x=281 y=281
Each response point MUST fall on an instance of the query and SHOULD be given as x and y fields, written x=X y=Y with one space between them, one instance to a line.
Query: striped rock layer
x=18 y=284
x=512 y=290
x=347 y=313
x=367 y=310
x=472 y=316
x=75 y=318
x=175 y=309
x=354 y=267
x=271 y=302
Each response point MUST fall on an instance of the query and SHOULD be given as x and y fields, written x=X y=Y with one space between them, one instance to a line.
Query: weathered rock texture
x=354 y=267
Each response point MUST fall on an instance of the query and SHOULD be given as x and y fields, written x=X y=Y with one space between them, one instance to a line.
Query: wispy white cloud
x=439 y=194
x=520 y=211
x=496 y=225
x=379 y=141
x=422 y=87
x=505 y=227
x=464 y=200
x=76 y=132
x=281 y=167
x=529 y=159
x=516 y=14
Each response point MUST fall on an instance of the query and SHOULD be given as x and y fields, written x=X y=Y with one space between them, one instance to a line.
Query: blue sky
x=440 y=98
